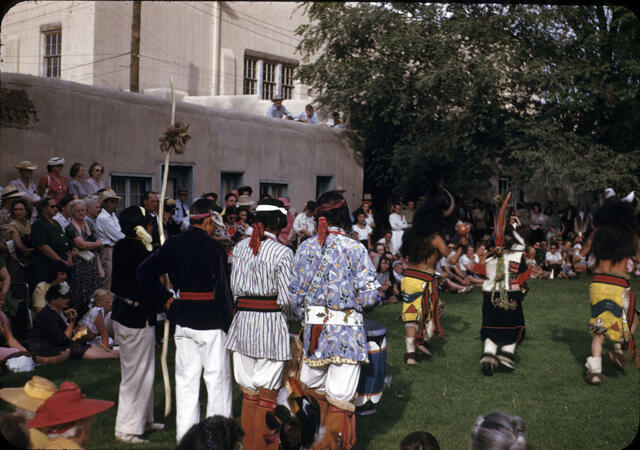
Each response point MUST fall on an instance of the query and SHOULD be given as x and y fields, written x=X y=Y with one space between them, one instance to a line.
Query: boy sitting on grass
x=613 y=310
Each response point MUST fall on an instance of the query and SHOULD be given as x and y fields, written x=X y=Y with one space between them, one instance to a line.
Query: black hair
x=146 y=194
x=230 y=194
x=231 y=210
x=75 y=168
x=93 y=166
x=245 y=189
x=65 y=201
x=309 y=106
x=616 y=235
x=272 y=220
x=24 y=203
x=200 y=206
x=55 y=292
x=213 y=433
x=55 y=268
x=383 y=258
x=42 y=204
x=130 y=218
x=419 y=440
x=337 y=216
x=210 y=194
x=310 y=205
x=12 y=431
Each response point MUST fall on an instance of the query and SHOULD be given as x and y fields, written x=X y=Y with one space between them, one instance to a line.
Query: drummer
x=333 y=279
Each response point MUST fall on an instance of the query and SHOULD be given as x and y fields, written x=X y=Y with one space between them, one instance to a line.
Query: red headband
x=331 y=205
x=256 y=236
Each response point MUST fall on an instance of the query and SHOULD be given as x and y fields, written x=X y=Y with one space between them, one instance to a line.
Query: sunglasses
x=53 y=206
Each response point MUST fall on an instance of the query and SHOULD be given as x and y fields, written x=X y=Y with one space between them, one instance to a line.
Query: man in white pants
x=201 y=306
x=259 y=336
x=333 y=280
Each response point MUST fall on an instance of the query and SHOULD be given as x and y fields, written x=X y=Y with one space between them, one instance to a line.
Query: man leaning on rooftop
x=277 y=109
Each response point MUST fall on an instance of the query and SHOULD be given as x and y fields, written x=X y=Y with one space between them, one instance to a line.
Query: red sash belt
x=424 y=276
x=256 y=303
x=189 y=295
x=611 y=279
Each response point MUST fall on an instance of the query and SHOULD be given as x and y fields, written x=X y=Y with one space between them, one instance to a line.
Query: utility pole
x=134 y=72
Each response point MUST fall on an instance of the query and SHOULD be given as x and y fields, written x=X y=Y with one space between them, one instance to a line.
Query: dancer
x=423 y=246
x=333 y=281
x=613 y=309
x=201 y=306
x=259 y=336
x=503 y=291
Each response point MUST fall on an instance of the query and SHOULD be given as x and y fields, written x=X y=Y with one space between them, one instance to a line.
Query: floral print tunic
x=348 y=284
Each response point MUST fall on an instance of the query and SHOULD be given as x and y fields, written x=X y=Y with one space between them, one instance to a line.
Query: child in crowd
x=98 y=319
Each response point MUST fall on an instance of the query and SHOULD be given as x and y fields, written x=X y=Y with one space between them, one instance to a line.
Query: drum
x=372 y=374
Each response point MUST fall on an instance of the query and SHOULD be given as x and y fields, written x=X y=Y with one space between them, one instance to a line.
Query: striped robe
x=261 y=334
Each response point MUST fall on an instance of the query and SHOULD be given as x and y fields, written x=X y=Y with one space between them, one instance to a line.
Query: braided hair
x=212 y=433
x=498 y=431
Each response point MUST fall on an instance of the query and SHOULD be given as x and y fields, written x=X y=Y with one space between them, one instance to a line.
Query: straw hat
x=31 y=395
x=245 y=200
x=340 y=189
x=67 y=405
x=55 y=161
x=107 y=194
x=367 y=197
x=11 y=191
x=26 y=165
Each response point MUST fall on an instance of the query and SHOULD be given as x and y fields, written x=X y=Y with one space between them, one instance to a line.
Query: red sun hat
x=67 y=405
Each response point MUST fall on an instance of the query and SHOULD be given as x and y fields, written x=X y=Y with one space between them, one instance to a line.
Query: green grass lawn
x=445 y=395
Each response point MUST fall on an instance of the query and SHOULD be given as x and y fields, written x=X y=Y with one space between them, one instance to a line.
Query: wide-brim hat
x=107 y=194
x=276 y=98
x=285 y=202
x=217 y=219
x=67 y=405
x=31 y=395
x=55 y=161
x=245 y=200
x=339 y=189
x=26 y=165
x=170 y=202
x=367 y=197
x=11 y=191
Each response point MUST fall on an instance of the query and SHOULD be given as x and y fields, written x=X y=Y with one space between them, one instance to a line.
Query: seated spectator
x=277 y=110
x=94 y=183
x=304 y=225
x=98 y=319
x=19 y=232
x=54 y=184
x=10 y=193
x=419 y=440
x=566 y=268
x=336 y=121
x=362 y=231
x=24 y=184
x=63 y=216
x=537 y=272
x=9 y=345
x=497 y=431
x=553 y=259
x=308 y=116
x=13 y=431
x=59 y=274
x=447 y=280
x=76 y=187
x=385 y=240
x=213 y=433
x=54 y=331
x=87 y=272
x=65 y=418
x=386 y=280
x=374 y=257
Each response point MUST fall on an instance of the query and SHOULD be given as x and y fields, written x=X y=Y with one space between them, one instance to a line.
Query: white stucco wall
x=121 y=130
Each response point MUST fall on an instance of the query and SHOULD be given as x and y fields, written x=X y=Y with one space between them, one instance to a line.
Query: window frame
x=126 y=199
x=250 y=84
x=51 y=62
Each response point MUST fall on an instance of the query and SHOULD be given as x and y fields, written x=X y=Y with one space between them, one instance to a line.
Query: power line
x=40 y=16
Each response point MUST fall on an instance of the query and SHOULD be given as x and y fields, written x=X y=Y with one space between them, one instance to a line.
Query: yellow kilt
x=610 y=297
x=412 y=291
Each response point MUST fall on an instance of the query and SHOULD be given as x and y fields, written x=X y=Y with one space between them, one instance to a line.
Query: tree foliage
x=454 y=94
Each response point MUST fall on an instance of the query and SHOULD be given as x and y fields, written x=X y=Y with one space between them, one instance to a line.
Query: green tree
x=456 y=94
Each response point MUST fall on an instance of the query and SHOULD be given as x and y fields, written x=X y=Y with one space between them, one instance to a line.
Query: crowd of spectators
x=278 y=111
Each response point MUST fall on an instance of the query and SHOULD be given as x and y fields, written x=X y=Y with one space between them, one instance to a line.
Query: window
x=269 y=80
x=275 y=190
x=287 y=81
x=52 y=50
x=250 y=77
x=228 y=181
x=324 y=184
x=130 y=188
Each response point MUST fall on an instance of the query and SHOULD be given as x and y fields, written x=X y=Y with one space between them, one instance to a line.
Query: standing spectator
x=286 y=233
x=24 y=183
x=87 y=271
x=230 y=199
x=94 y=206
x=398 y=224
x=150 y=202
x=94 y=182
x=182 y=207
x=555 y=225
x=362 y=231
x=19 y=231
x=9 y=194
x=108 y=231
x=304 y=225
x=54 y=184
x=479 y=219
x=169 y=224
x=201 y=308
x=308 y=116
x=409 y=212
x=76 y=185
x=367 y=200
x=63 y=217
x=537 y=224
x=277 y=110
x=49 y=241
x=134 y=321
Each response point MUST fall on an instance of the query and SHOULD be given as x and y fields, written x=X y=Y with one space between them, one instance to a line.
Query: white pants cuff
x=255 y=373
x=339 y=381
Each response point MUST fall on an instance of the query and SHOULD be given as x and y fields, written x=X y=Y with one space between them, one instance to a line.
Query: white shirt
x=30 y=192
x=179 y=215
x=108 y=228
x=304 y=222
x=363 y=233
x=62 y=220
x=397 y=222
x=553 y=257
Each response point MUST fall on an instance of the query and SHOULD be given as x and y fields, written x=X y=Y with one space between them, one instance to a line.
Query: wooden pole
x=134 y=70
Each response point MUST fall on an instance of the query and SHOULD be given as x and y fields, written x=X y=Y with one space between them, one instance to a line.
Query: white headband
x=261 y=208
